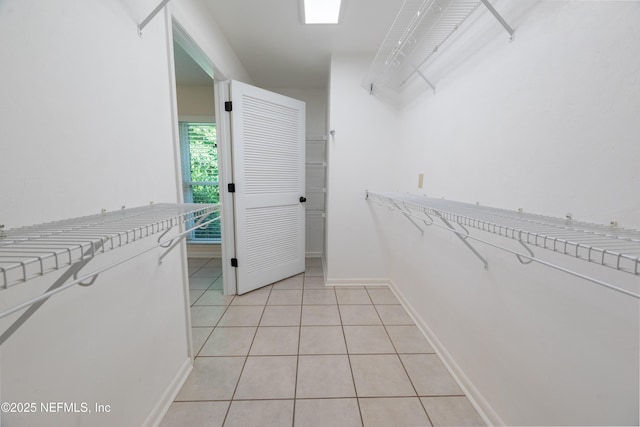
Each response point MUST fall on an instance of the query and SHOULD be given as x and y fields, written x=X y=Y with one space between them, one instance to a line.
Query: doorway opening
x=195 y=97
x=259 y=142
x=202 y=147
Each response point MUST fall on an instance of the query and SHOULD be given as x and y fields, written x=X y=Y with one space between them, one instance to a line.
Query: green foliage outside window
x=203 y=159
x=203 y=174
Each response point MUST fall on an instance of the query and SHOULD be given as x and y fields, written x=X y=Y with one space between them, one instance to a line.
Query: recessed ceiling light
x=321 y=11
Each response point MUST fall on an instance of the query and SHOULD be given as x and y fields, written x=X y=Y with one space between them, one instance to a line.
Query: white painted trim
x=187 y=300
x=197 y=119
x=204 y=250
x=159 y=411
x=169 y=23
x=177 y=158
x=313 y=254
x=486 y=412
x=356 y=282
x=186 y=42
x=324 y=266
x=225 y=173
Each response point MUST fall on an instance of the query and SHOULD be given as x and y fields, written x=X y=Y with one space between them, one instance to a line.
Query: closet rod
x=393 y=202
x=548 y=264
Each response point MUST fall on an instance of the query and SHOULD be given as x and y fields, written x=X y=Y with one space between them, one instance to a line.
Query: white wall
x=196 y=101
x=366 y=135
x=121 y=342
x=547 y=123
x=213 y=49
x=65 y=81
x=86 y=123
x=532 y=346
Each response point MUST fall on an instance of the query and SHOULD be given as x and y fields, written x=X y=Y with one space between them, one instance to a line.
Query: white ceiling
x=279 y=51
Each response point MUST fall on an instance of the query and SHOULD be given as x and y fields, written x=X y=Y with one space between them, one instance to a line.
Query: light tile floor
x=297 y=353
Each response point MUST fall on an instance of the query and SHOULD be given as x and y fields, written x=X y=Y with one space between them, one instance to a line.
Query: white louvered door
x=268 y=141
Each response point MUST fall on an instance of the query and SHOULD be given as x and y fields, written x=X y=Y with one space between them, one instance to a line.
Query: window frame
x=185 y=158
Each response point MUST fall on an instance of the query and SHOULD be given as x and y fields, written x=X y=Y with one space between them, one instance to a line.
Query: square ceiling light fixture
x=320 y=11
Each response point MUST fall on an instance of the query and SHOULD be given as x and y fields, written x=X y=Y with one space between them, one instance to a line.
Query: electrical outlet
x=420 y=180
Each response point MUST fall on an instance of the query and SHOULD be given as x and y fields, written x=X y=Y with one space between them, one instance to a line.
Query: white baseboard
x=201 y=250
x=169 y=395
x=486 y=412
x=356 y=282
x=213 y=250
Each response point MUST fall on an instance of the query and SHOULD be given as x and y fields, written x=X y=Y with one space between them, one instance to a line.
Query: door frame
x=223 y=136
x=225 y=174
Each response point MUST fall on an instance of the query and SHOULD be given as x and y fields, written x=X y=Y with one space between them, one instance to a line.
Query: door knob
x=303 y=199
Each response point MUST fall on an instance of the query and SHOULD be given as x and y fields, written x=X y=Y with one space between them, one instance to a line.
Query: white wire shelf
x=34 y=251
x=609 y=246
x=418 y=31
x=67 y=246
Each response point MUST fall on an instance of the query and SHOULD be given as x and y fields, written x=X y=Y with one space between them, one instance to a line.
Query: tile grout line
x=246 y=358
x=346 y=347
x=197 y=354
x=298 y=355
x=402 y=364
x=260 y=399
x=295 y=385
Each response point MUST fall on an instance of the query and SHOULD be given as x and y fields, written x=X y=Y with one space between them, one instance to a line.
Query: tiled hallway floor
x=297 y=353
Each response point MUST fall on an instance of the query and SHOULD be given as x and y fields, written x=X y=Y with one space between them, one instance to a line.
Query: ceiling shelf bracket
x=421 y=74
x=499 y=18
x=421 y=29
x=152 y=15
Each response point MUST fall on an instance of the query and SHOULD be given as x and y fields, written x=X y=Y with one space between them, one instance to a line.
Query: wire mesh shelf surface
x=610 y=246
x=33 y=251
x=419 y=29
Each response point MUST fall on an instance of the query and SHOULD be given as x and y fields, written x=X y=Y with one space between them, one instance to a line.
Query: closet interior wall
x=546 y=123
x=87 y=124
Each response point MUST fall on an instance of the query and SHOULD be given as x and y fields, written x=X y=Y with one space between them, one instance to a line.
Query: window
x=199 y=153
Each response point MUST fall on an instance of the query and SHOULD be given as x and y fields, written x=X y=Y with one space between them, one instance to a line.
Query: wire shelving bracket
x=152 y=15
x=609 y=246
x=418 y=32
x=69 y=245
